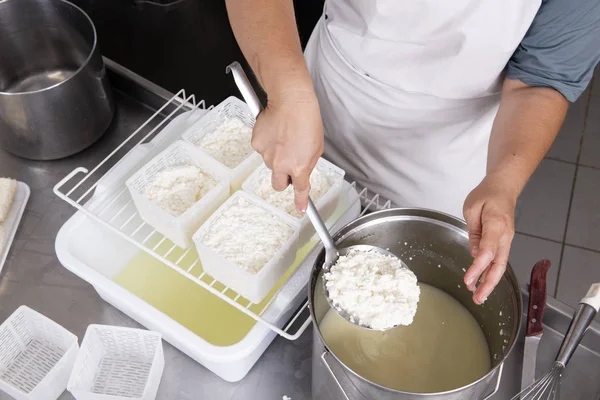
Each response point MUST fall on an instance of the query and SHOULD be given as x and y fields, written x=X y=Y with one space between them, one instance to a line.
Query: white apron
x=408 y=91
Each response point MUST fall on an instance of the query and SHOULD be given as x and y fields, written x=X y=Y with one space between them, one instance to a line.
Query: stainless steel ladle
x=331 y=252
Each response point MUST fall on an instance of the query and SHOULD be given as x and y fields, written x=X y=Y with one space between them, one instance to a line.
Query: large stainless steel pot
x=55 y=99
x=439 y=247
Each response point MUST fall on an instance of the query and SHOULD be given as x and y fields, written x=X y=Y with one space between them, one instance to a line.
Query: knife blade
x=535 y=327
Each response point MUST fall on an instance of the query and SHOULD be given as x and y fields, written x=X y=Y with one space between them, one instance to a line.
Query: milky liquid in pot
x=443 y=349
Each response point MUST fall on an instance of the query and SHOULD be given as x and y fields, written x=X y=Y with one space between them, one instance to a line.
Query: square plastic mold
x=326 y=205
x=232 y=107
x=117 y=363
x=252 y=286
x=36 y=356
x=178 y=229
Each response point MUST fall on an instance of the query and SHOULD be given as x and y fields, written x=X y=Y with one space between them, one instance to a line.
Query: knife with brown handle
x=535 y=314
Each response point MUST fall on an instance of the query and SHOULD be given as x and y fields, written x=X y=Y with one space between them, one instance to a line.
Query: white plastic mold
x=326 y=205
x=253 y=287
x=117 y=363
x=36 y=356
x=232 y=107
x=178 y=229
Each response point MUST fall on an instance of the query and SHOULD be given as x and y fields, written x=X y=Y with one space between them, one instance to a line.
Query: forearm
x=267 y=34
x=527 y=123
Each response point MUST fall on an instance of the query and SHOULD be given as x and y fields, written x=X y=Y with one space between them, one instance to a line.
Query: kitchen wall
x=558 y=214
x=179 y=43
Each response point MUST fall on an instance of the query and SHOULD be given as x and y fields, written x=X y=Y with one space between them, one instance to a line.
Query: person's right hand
x=288 y=134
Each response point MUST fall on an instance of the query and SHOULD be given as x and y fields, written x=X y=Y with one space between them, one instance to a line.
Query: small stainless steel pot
x=439 y=247
x=55 y=99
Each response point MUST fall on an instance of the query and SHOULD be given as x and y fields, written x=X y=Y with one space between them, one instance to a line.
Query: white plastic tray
x=11 y=224
x=81 y=247
x=107 y=218
x=105 y=199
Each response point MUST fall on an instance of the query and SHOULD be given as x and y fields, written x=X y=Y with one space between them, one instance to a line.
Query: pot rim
x=458 y=223
x=81 y=67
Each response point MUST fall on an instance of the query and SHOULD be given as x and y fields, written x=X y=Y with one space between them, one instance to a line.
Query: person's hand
x=288 y=134
x=490 y=213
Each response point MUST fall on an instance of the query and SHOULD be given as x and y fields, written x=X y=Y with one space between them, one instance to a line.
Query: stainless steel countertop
x=33 y=276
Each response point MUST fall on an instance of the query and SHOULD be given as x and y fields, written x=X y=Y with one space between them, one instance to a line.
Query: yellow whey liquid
x=443 y=349
x=190 y=304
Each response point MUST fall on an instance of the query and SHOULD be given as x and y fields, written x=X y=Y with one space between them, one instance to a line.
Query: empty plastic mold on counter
x=231 y=108
x=36 y=356
x=117 y=363
x=259 y=184
x=178 y=229
x=262 y=226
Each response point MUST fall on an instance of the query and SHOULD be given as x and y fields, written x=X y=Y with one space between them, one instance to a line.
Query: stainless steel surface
x=580 y=380
x=55 y=99
x=33 y=276
x=437 y=248
x=548 y=386
x=343 y=392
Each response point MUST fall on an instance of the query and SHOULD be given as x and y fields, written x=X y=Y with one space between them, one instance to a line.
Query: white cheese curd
x=319 y=185
x=375 y=289
x=229 y=143
x=8 y=189
x=176 y=189
x=247 y=235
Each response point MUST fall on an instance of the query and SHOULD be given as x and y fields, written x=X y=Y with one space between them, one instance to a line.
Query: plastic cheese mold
x=117 y=363
x=36 y=356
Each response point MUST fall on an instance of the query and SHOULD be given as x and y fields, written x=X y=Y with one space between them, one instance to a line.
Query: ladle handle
x=249 y=95
x=321 y=228
x=243 y=84
x=247 y=91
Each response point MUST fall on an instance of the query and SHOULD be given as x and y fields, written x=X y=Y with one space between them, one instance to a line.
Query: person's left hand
x=490 y=214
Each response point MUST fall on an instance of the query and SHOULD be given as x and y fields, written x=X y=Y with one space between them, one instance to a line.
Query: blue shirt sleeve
x=561 y=48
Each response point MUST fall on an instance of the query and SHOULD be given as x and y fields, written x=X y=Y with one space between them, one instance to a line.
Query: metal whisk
x=548 y=386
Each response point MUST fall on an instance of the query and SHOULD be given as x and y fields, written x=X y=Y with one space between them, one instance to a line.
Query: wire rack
x=101 y=194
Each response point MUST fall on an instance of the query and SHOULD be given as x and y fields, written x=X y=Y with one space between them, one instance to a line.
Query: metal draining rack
x=101 y=195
